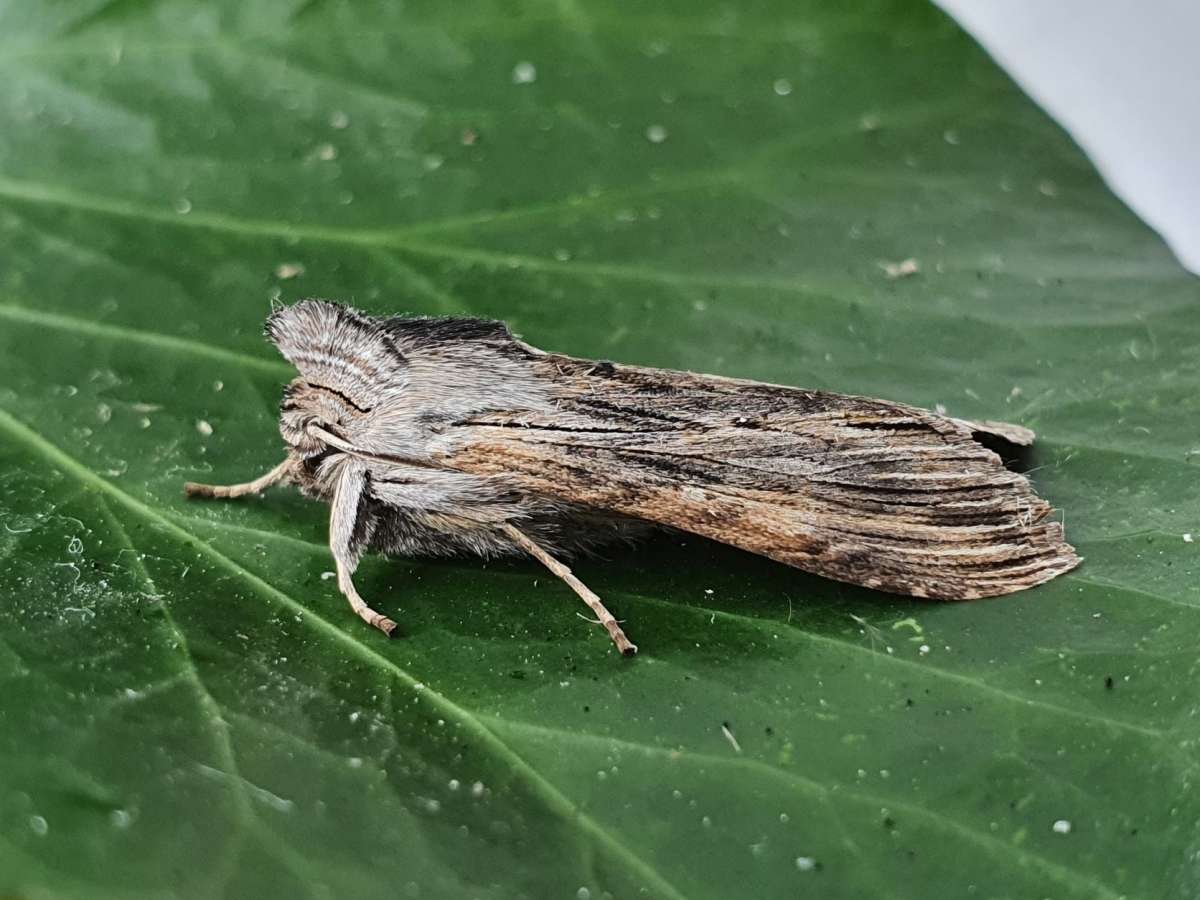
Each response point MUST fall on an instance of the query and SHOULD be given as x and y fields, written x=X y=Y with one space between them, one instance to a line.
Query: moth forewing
x=438 y=436
x=861 y=490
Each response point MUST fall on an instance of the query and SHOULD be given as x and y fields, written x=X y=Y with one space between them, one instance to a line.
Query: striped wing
x=859 y=490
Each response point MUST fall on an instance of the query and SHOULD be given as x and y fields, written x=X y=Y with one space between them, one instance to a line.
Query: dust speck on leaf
x=902 y=269
x=524 y=72
x=656 y=48
x=289 y=270
x=656 y=134
x=204 y=427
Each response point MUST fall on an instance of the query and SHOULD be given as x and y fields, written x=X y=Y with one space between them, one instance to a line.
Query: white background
x=1123 y=77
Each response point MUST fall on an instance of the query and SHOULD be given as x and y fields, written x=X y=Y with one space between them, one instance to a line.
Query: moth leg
x=229 y=491
x=626 y=646
x=343 y=516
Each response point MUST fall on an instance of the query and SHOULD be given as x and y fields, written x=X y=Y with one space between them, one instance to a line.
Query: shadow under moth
x=449 y=435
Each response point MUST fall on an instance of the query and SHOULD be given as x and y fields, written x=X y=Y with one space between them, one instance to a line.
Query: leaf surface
x=189 y=708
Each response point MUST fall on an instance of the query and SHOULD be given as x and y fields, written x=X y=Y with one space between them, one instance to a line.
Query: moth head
x=307 y=407
x=348 y=365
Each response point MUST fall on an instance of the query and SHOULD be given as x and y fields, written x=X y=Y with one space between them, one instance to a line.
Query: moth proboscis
x=436 y=436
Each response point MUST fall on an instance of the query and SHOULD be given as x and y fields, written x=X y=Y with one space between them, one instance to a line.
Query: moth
x=435 y=436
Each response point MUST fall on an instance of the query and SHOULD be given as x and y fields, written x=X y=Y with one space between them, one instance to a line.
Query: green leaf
x=189 y=708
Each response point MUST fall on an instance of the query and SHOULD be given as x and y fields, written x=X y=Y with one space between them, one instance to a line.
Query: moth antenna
x=231 y=491
x=349 y=449
x=334 y=441
x=611 y=625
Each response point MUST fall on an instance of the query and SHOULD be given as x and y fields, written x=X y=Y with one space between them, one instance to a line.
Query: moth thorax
x=305 y=405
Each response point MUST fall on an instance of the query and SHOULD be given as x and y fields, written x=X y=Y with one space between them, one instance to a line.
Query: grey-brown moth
x=434 y=436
